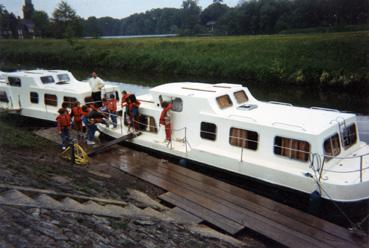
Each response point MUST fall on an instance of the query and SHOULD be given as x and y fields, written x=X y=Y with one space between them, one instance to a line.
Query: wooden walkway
x=232 y=209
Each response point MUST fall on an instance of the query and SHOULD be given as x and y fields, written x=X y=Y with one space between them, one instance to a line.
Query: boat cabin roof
x=56 y=80
x=273 y=114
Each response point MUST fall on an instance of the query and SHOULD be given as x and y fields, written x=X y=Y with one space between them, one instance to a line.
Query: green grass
x=14 y=134
x=328 y=58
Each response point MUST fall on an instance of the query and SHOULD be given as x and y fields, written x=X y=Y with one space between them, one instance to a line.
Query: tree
x=91 y=28
x=190 y=16
x=66 y=23
x=42 y=23
x=213 y=12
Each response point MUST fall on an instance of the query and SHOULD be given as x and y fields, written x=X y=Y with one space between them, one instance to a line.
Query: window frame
x=69 y=103
x=48 y=100
x=3 y=96
x=207 y=132
x=228 y=98
x=18 y=83
x=172 y=100
x=60 y=79
x=48 y=77
x=328 y=157
x=246 y=146
x=31 y=98
x=237 y=100
x=275 y=146
x=343 y=136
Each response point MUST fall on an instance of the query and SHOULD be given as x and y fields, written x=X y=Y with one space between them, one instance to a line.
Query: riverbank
x=336 y=59
x=30 y=162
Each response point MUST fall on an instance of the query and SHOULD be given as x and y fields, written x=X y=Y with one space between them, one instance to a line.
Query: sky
x=99 y=8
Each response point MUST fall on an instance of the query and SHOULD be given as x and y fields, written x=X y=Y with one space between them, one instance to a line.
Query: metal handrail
x=281 y=103
x=287 y=124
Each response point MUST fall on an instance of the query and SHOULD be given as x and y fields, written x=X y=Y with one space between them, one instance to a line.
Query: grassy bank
x=330 y=58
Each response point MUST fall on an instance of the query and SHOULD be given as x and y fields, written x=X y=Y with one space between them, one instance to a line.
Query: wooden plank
x=236 y=203
x=264 y=202
x=220 y=221
x=183 y=215
x=106 y=145
x=253 y=221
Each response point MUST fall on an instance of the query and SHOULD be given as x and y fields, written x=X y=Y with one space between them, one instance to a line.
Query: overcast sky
x=100 y=8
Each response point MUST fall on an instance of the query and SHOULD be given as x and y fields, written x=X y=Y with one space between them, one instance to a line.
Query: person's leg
x=168 y=132
x=113 y=117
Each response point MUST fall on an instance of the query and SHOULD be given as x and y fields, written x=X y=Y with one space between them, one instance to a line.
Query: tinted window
x=349 y=136
x=51 y=100
x=63 y=77
x=292 y=148
x=13 y=81
x=332 y=146
x=3 y=97
x=33 y=97
x=47 y=80
x=241 y=96
x=146 y=123
x=69 y=101
x=224 y=101
x=243 y=138
x=208 y=131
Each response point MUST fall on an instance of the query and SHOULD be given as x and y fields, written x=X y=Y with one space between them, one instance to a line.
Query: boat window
x=147 y=123
x=69 y=101
x=349 y=136
x=14 y=81
x=292 y=148
x=175 y=101
x=208 y=131
x=332 y=146
x=224 y=101
x=107 y=95
x=241 y=96
x=63 y=78
x=33 y=96
x=3 y=97
x=51 y=100
x=243 y=138
x=47 y=80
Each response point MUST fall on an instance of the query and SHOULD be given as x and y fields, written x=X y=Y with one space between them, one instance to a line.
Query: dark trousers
x=65 y=136
x=96 y=97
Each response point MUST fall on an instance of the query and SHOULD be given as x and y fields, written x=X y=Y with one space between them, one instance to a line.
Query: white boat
x=224 y=126
x=40 y=93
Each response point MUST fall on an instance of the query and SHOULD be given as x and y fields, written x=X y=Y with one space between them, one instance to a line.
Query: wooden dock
x=233 y=210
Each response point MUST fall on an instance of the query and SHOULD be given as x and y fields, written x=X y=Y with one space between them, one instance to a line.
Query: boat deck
x=234 y=210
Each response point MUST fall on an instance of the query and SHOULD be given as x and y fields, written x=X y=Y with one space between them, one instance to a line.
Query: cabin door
x=15 y=90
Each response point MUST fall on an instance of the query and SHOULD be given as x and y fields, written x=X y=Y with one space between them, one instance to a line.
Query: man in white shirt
x=96 y=85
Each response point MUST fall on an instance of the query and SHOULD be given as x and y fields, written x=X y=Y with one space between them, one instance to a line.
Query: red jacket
x=111 y=104
x=124 y=99
x=63 y=121
x=77 y=113
x=164 y=113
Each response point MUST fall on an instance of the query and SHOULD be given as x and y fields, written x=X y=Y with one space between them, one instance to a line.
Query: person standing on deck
x=166 y=120
x=96 y=85
x=63 y=126
x=134 y=112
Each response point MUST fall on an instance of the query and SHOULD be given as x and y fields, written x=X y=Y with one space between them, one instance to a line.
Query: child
x=166 y=121
x=63 y=126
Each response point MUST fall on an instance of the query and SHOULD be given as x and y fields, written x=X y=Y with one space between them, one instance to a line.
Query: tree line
x=248 y=17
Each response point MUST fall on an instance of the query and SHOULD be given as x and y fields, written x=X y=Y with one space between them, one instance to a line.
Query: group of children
x=87 y=116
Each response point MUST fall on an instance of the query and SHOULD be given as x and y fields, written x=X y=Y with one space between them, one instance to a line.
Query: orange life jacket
x=63 y=121
x=164 y=113
x=111 y=104
x=124 y=99
x=77 y=113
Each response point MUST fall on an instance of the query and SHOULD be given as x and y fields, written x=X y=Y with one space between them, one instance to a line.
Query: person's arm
x=101 y=83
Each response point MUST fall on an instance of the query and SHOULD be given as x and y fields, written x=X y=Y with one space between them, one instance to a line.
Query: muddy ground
x=27 y=160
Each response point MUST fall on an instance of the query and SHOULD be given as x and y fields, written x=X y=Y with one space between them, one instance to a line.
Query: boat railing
x=281 y=103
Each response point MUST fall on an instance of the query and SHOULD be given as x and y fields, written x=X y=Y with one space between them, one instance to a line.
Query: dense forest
x=248 y=17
